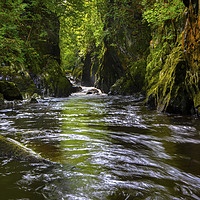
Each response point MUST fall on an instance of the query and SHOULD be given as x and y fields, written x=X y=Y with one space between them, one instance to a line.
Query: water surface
x=106 y=147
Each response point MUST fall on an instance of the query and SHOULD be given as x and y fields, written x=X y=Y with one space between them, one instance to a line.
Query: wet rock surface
x=93 y=91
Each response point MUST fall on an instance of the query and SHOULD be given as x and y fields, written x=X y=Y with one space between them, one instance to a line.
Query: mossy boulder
x=63 y=87
x=10 y=91
x=132 y=82
x=12 y=148
x=121 y=87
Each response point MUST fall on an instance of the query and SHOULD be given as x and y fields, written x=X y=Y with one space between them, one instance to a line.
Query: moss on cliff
x=167 y=80
x=173 y=64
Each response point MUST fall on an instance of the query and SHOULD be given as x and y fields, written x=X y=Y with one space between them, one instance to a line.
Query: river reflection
x=106 y=148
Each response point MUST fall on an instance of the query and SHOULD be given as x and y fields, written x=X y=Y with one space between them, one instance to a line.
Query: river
x=105 y=147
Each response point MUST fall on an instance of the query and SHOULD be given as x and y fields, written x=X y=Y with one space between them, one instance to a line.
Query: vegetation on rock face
x=133 y=81
x=29 y=37
x=173 y=66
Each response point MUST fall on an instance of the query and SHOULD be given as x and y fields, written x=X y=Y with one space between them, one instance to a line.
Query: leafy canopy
x=161 y=11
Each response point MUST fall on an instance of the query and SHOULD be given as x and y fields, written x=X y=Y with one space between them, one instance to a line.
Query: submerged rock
x=14 y=149
x=93 y=91
x=10 y=91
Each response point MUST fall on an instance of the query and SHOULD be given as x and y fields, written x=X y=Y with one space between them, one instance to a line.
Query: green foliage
x=81 y=29
x=160 y=12
x=11 y=45
x=29 y=41
x=20 y=29
x=108 y=30
x=164 y=18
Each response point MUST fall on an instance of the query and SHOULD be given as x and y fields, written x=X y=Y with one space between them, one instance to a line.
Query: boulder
x=10 y=91
x=63 y=87
x=93 y=91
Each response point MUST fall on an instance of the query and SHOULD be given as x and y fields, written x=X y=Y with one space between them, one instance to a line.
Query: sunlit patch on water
x=105 y=148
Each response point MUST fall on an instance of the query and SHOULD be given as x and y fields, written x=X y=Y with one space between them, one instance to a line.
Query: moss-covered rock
x=10 y=91
x=133 y=81
x=63 y=87
x=110 y=70
x=14 y=149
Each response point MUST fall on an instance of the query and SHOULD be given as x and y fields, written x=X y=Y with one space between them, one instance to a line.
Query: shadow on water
x=107 y=148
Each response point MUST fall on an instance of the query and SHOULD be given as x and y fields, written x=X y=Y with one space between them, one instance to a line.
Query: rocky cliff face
x=49 y=78
x=110 y=70
x=173 y=64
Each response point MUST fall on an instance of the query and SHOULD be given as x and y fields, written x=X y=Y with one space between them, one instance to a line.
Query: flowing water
x=105 y=147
